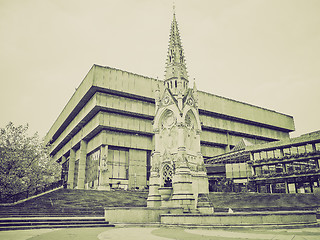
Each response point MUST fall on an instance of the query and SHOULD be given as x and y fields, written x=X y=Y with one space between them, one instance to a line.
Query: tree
x=24 y=161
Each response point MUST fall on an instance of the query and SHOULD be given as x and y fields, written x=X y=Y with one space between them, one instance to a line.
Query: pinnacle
x=176 y=70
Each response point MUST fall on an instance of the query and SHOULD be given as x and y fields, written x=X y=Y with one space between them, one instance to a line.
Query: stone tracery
x=167 y=175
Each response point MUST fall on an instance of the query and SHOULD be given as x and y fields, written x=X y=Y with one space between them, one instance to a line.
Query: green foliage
x=24 y=161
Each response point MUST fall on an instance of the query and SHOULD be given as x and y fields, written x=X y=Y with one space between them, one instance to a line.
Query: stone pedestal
x=182 y=190
x=154 y=197
x=200 y=184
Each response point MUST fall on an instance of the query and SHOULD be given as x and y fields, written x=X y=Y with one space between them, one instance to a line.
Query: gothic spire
x=176 y=77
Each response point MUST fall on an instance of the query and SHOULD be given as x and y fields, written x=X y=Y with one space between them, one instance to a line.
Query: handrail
x=31 y=192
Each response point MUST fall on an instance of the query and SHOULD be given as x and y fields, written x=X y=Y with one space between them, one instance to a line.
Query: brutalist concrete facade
x=104 y=138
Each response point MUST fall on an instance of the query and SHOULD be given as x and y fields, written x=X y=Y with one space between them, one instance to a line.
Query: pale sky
x=262 y=52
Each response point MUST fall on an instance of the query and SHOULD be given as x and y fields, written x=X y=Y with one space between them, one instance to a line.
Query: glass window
x=301 y=149
x=236 y=170
x=263 y=155
x=258 y=170
x=92 y=166
x=265 y=169
x=277 y=153
x=118 y=163
x=287 y=152
x=279 y=168
x=243 y=170
x=309 y=148
x=256 y=156
x=294 y=151
x=289 y=167
x=229 y=171
x=272 y=168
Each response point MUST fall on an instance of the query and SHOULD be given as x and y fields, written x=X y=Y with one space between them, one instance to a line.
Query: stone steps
x=204 y=205
x=66 y=208
x=20 y=223
x=24 y=215
x=74 y=203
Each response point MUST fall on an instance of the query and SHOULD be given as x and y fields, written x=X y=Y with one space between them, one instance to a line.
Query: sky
x=261 y=52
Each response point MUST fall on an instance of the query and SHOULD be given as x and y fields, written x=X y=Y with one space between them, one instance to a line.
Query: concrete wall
x=137 y=214
x=241 y=219
x=174 y=216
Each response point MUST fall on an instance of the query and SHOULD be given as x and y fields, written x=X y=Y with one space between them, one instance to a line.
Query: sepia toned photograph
x=159 y=119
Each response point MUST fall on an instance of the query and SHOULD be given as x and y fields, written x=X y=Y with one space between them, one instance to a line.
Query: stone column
x=311 y=186
x=227 y=148
x=71 y=168
x=284 y=168
x=198 y=132
x=103 y=175
x=82 y=164
x=154 y=197
x=286 y=186
x=181 y=143
x=63 y=173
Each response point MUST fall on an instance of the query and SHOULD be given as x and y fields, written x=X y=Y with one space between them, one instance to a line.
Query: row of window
x=175 y=83
x=281 y=152
x=287 y=167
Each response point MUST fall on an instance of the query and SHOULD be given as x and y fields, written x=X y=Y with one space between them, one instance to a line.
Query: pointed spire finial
x=194 y=85
x=174 y=7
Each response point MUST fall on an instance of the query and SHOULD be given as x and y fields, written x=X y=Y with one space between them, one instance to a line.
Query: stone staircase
x=204 y=205
x=65 y=208
x=22 y=223
x=85 y=208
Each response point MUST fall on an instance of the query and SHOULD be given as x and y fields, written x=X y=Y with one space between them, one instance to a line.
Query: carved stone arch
x=167 y=119
x=158 y=117
x=192 y=117
x=172 y=107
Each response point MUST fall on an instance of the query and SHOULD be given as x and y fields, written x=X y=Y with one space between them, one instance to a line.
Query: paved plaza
x=132 y=233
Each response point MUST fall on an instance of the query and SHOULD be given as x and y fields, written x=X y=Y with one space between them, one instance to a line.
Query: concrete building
x=286 y=166
x=104 y=136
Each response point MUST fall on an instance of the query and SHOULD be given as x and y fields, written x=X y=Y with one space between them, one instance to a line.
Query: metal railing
x=31 y=192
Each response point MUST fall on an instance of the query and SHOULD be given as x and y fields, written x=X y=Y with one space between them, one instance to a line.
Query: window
x=167 y=175
x=92 y=165
x=118 y=162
